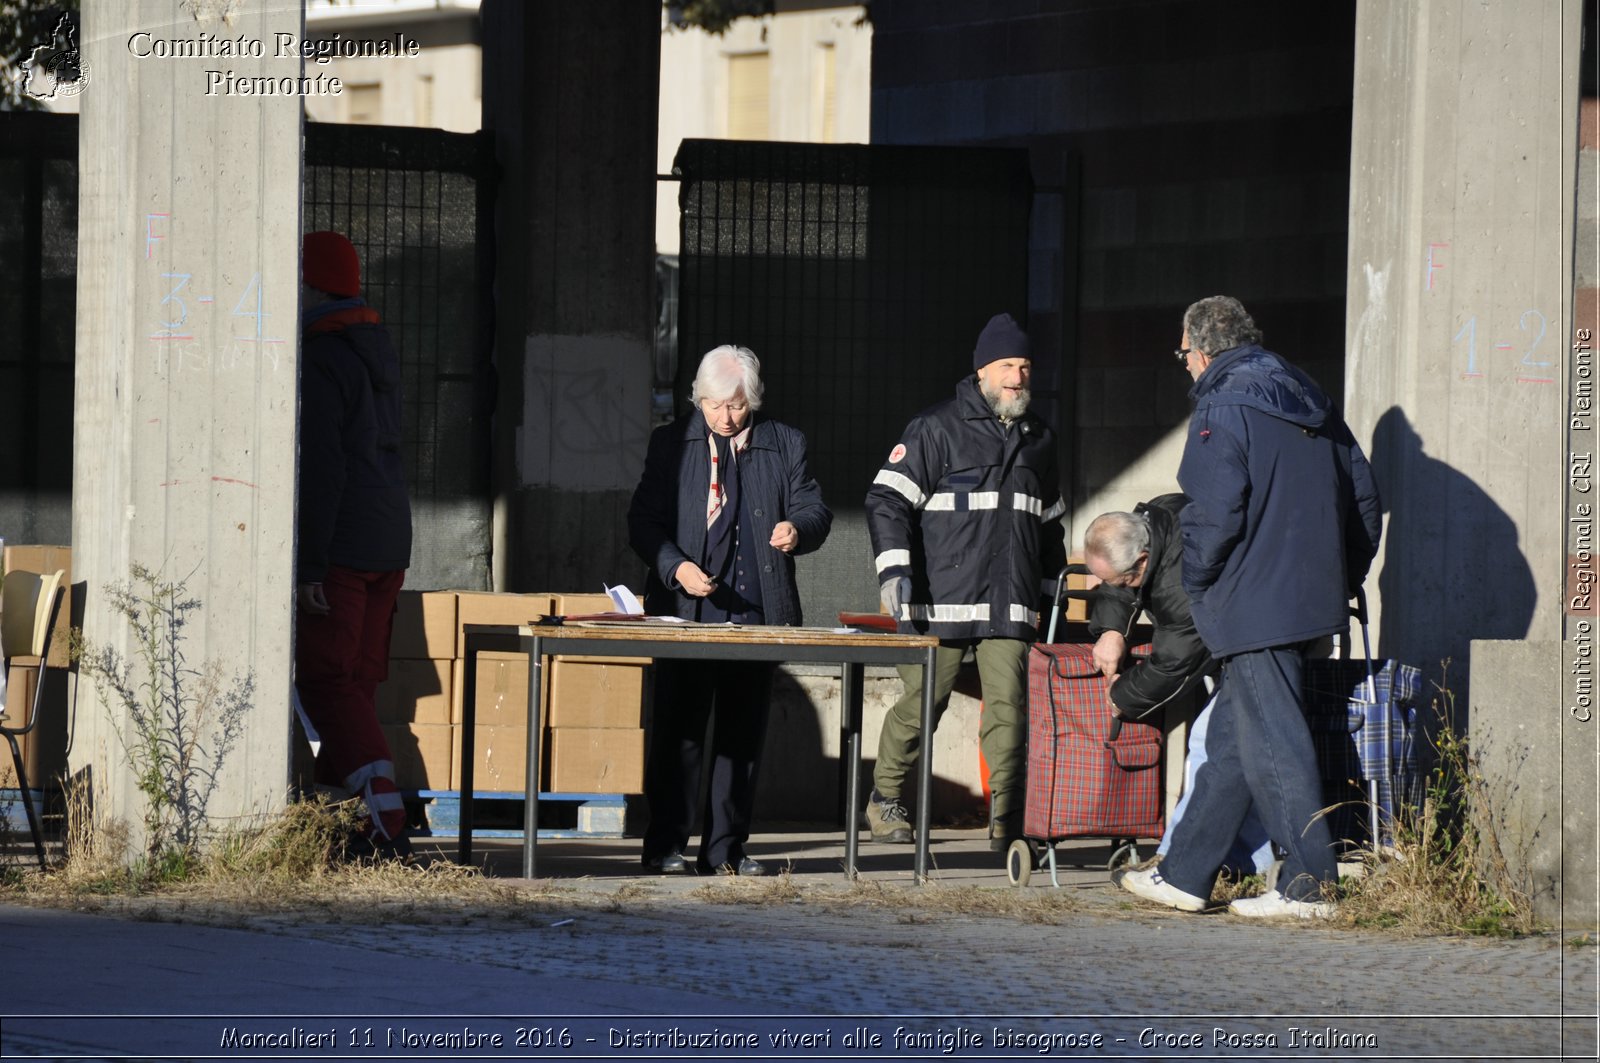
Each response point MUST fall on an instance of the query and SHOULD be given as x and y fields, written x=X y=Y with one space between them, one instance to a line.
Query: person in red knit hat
x=355 y=530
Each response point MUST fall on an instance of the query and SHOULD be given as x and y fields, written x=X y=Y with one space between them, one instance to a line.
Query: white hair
x=727 y=371
x=1117 y=539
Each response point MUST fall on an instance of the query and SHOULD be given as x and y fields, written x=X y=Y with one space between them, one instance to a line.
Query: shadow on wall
x=1452 y=567
x=798 y=782
x=801 y=783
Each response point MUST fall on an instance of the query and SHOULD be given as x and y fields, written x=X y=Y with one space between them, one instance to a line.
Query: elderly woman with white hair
x=723 y=507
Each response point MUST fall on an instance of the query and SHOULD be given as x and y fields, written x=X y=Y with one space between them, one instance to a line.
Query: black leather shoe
x=748 y=868
x=671 y=863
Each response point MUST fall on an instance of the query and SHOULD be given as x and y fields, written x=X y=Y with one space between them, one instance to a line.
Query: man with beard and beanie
x=1282 y=523
x=355 y=530
x=965 y=520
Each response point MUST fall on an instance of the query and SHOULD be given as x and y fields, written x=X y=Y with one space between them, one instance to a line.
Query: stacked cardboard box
x=596 y=715
x=592 y=713
x=414 y=702
x=500 y=742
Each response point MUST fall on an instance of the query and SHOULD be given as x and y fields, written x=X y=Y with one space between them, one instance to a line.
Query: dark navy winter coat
x=1283 y=519
x=355 y=511
x=667 y=519
x=969 y=510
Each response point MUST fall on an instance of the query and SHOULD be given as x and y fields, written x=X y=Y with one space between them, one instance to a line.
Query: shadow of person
x=799 y=784
x=1452 y=567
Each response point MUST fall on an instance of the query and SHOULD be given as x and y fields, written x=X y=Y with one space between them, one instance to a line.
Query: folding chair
x=29 y=603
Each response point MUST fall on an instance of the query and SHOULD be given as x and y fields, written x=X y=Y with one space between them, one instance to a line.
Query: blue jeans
x=1251 y=851
x=1260 y=758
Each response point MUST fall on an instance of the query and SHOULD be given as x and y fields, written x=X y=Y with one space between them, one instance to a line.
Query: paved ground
x=614 y=964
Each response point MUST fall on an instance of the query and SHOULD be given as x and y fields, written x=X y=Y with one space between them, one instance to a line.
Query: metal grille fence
x=861 y=277
x=38 y=318
x=418 y=204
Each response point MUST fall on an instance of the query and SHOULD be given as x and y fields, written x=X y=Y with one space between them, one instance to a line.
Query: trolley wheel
x=1019 y=862
x=1124 y=853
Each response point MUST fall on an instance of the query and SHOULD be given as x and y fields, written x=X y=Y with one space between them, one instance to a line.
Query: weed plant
x=177 y=723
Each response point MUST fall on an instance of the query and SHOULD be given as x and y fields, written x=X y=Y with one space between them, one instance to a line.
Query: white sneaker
x=1152 y=887
x=1274 y=905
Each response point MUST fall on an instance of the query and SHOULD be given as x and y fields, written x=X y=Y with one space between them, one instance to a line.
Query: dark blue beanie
x=1001 y=338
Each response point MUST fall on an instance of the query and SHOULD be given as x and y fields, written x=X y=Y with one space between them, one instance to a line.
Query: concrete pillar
x=188 y=291
x=570 y=95
x=1459 y=377
x=1461 y=189
x=1535 y=806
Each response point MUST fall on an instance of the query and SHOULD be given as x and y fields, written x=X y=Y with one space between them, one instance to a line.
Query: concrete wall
x=1460 y=376
x=188 y=290
x=1459 y=276
x=570 y=94
x=800 y=774
x=1181 y=149
x=1536 y=805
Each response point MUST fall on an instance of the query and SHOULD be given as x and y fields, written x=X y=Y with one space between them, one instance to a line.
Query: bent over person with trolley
x=1138 y=558
x=1282 y=524
x=965 y=518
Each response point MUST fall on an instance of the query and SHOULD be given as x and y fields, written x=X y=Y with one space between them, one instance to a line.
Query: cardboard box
x=420 y=692
x=596 y=695
x=1076 y=609
x=500 y=760
x=424 y=626
x=44 y=749
x=578 y=605
x=479 y=607
x=596 y=760
x=44 y=560
x=424 y=755
x=502 y=697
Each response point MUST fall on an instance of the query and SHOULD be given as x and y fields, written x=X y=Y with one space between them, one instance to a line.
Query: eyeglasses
x=718 y=407
x=1182 y=355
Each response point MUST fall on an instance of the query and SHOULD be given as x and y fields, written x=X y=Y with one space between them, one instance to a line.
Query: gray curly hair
x=1219 y=323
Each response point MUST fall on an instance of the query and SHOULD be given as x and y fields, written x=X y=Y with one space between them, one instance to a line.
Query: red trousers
x=340 y=659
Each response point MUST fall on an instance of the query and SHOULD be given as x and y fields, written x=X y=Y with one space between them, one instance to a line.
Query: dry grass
x=294 y=864
x=1447 y=872
x=292 y=868
x=1438 y=879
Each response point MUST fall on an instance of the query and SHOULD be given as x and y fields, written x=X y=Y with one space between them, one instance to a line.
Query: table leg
x=469 y=731
x=851 y=693
x=533 y=645
x=925 y=767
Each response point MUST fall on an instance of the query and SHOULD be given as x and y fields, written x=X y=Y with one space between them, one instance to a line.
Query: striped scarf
x=717 y=495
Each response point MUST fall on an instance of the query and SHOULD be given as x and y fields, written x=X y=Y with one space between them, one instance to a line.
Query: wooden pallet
x=597 y=815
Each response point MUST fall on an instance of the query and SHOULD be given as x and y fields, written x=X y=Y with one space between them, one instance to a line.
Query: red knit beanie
x=328 y=263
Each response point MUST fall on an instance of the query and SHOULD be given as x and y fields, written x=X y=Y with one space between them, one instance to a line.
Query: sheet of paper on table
x=629 y=607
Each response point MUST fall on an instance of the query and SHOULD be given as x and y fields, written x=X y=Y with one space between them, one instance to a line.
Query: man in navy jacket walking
x=1282 y=525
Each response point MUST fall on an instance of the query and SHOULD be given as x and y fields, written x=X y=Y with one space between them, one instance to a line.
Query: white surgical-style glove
x=895 y=593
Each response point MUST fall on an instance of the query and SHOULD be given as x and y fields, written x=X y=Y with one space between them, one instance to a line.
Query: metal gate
x=38 y=318
x=861 y=277
x=418 y=204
